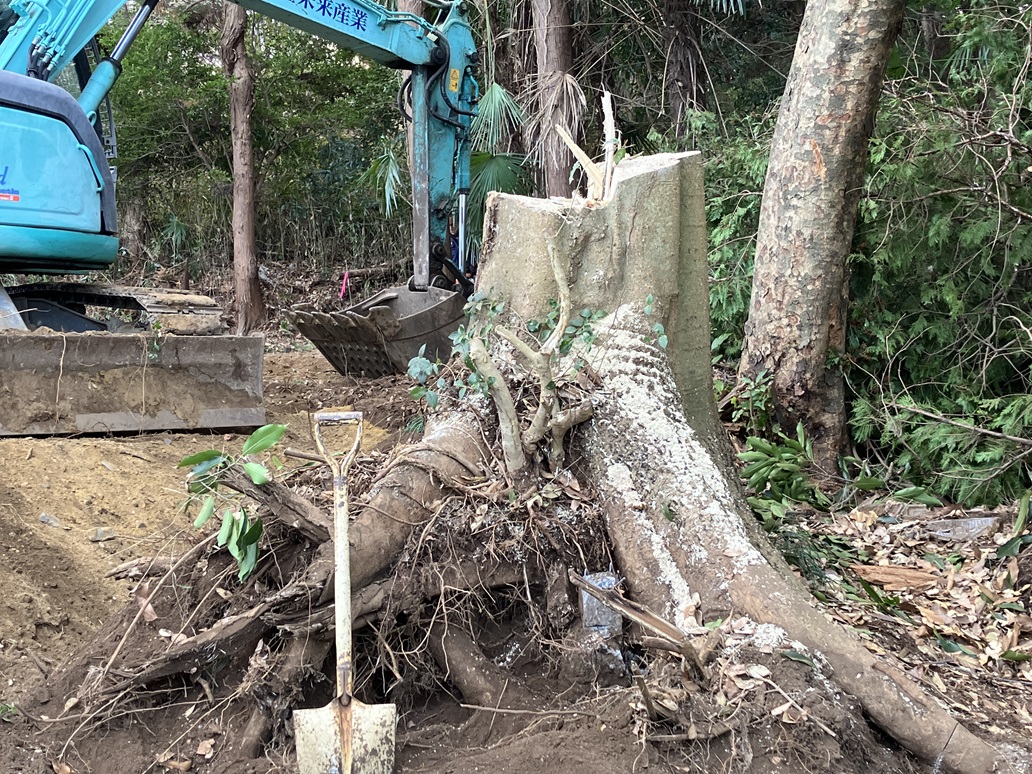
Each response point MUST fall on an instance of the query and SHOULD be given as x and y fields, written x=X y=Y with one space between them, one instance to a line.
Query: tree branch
x=508 y=419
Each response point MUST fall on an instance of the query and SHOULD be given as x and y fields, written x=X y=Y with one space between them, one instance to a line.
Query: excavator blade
x=64 y=373
x=381 y=335
x=66 y=383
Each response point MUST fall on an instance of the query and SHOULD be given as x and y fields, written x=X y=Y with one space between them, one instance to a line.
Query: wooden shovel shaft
x=341 y=548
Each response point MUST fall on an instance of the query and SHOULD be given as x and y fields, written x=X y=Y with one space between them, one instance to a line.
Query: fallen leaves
x=895 y=578
x=947 y=597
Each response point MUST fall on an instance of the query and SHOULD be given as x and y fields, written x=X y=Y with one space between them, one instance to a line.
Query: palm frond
x=505 y=172
x=498 y=116
x=384 y=177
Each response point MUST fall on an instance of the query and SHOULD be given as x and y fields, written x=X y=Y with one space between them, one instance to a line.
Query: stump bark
x=655 y=449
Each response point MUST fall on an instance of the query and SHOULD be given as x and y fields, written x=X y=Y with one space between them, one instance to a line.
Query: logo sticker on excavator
x=453 y=79
x=8 y=194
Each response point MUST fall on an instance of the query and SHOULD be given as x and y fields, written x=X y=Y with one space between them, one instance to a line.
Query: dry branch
x=284 y=506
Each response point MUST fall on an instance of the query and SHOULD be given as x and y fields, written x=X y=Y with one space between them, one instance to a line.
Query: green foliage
x=482 y=312
x=939 y=350
x=579 y=330
x=736 y=165
x=814 y=553
x=499 y=116
x=777 y=475
x=239 y=531
x=318 y=120
x=752 y=404
x=941 y=285
x=384 y=175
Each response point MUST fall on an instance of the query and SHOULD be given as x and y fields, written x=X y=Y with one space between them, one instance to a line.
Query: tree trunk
x=684 y=66
x=797 y=314
x=556 y=93
x=657 y=456
x=249 y=308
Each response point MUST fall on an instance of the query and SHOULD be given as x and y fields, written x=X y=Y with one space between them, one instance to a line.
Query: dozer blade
x=62 y=383
x=381 y=335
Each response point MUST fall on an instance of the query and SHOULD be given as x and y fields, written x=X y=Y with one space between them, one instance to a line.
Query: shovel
x=346 y=736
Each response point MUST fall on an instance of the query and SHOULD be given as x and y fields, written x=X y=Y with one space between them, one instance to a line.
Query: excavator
x=81 y=357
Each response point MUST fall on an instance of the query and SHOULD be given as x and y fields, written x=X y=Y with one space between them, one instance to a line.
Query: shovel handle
x=341 y=552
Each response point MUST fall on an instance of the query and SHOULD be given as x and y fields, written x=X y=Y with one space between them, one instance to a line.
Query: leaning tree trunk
x=248 y=304
x=797 y=315
x=556 y=93
x=654 y=447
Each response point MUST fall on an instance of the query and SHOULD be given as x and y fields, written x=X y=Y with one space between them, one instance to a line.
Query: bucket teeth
x=351 y=343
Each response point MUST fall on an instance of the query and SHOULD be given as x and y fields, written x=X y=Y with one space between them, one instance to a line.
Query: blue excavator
x=162 y=358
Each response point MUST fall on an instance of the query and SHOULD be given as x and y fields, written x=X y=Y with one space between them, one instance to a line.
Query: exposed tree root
x=678 y=529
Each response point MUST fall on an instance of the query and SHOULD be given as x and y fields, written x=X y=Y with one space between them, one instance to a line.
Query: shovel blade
x=325 y=737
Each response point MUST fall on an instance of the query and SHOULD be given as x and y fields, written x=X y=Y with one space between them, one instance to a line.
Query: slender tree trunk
x=684 y=75
x=554 y=45
x=798 y=310
x=248 y=304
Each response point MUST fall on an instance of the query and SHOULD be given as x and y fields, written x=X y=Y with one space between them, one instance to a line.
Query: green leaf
x=253 y=533
x=802 y=658
x=203 y=467
x=1022 y=520
x=206 y=511
x=226 y=530
x=202 y=485
x=233 y=545
x=247 y=561
x=263 y=438
x=867 y=483
x=1013 y=546
x=204 y=456
x=1016 y=655
x=949 y=646
x=256 y=472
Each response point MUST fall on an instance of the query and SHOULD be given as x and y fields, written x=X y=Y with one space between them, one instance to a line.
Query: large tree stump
x=657 y=454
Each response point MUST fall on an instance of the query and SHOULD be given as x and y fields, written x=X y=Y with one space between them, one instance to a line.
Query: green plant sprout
x=240 y=531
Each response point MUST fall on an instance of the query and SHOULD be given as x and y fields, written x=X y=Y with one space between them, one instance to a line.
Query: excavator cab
x=57 y=191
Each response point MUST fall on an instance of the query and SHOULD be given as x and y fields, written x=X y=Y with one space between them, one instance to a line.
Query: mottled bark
x=248 y=306
x=554 y=46
x=683 y=70
x=798 y=309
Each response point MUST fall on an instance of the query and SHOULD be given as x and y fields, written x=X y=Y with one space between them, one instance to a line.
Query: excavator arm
x=57 y=216
x=41 y=38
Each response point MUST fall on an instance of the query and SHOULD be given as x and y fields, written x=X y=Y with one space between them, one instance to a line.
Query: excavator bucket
x=382 y=334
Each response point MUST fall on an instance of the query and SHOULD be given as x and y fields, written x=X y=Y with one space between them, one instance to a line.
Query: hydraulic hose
x=444 y=91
